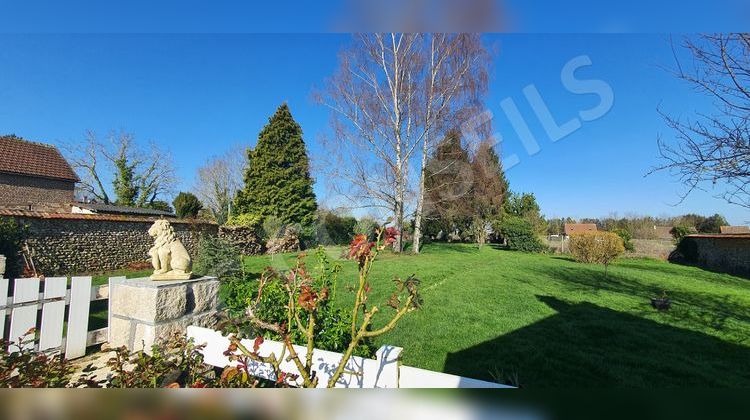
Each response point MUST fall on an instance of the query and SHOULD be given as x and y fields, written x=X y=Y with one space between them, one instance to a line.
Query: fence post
x=389 y=358
x=3 y=302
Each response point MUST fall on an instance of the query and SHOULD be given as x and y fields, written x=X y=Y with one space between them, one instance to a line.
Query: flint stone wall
x=726 y=253
x=76 y=244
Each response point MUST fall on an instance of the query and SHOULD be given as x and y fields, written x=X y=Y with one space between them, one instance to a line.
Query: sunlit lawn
x=546 y=321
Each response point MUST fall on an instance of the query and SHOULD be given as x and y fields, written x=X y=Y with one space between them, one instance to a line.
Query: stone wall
x=76 y=244
x=34 y=193
x=245 y=238
x=724 y=253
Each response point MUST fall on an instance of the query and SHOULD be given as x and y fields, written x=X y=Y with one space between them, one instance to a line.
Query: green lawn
x=546 y=321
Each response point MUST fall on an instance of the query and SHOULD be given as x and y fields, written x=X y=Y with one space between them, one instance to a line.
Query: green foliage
x=525 y=206
x=23 y=367
x=712 y=224
x=246 y=220
x=187 y=205
x=463 y=193
x=332 y=329
x=679 y=232
x=125 y=186
x=448 y=181
x=333 y=229
x=626 y=237
x=12 y=236
x=277 y=178
x=175 y=363
x=217 y=257
x=160 y=205
x=519 y=234
x=366 y=225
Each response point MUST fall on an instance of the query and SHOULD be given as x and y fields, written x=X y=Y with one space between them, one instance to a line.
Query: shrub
x=519 y=234
x=366 y=226
x=246 y=220
x=12 y=236
x=21 y=367
x=333 y=229
x=176 y=363
x=626 y=237
x=307 y=298
x=217 y=257
x=711 y=224
x=679 y=232
x=187 y=205
x=596 y=247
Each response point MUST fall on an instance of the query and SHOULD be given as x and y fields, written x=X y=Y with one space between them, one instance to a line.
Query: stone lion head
x=162 y=232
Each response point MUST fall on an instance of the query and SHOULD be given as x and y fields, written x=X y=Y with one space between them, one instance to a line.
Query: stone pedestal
x=144 y=312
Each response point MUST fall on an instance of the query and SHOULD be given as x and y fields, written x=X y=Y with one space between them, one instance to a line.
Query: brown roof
x=571 y=228
x=102 y=217
x=721 y=235
x=663 y=232
x=734 y=229
x=21 y=157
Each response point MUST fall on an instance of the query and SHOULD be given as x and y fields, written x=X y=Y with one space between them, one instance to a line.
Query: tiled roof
x=571 y=228
x=113 y=209
x=721 y=235
x=21 y=157
x=734 y=229
x=101 y=217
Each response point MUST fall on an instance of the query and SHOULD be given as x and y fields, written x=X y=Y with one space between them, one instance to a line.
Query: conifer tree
x=448 y=185
x=277 y=177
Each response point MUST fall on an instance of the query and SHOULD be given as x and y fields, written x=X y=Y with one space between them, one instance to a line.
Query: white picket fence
x=385 y=371
x=28 y=302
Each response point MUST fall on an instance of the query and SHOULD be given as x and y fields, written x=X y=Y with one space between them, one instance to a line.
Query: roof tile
x=21 y=157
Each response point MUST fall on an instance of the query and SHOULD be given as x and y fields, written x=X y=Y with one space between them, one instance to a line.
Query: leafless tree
x=86 y=159
x=94 y=160
x=218 y=181
x=392 y=97
x=714 y=148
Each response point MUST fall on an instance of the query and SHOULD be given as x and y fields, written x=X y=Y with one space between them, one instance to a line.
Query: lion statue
x=168 y=256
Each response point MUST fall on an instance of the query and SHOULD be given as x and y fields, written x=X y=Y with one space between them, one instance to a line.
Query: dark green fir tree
x=277 y=178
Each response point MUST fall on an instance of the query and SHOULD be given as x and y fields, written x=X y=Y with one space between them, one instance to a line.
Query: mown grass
x=547 y=321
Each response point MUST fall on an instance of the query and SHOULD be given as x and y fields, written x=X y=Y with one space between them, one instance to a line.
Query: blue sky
x=200 y=94
x=232 y=16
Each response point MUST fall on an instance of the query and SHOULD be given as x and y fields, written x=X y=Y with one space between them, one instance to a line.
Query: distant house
x=571 y=228
x=734 y=229
x=34 y=177
x=99 y=208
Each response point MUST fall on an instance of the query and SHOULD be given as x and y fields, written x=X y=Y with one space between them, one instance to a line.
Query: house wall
x=724 y=253
x=70 y=245
x=42 y=194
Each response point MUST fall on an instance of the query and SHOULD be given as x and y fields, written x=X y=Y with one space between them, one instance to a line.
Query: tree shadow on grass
x=586 y=345
x=702 y=308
